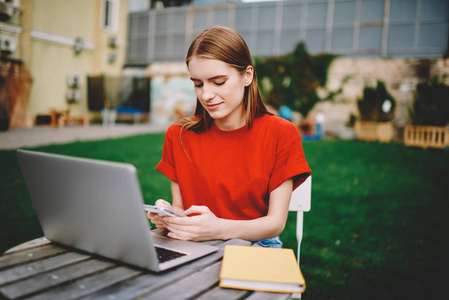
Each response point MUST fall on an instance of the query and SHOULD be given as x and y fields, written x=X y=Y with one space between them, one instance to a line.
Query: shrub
x=431 y=103
x=293 y=79
x=377 y=105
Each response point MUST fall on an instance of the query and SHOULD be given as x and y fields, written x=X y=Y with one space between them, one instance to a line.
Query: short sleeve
x=167 y=164
x=290 y=161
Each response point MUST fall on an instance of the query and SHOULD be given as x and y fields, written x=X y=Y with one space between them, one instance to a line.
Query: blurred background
x=329 y=62
x=364 y=81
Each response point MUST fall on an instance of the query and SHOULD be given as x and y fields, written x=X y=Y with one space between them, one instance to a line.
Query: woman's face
x=220 y=89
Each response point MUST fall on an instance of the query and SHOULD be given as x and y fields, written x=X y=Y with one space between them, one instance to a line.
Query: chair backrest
x=300 y=202
x=301 y=197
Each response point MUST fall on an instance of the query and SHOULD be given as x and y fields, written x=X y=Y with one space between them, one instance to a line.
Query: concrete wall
x=171 y=86
x=171 y=92
x=400 y=76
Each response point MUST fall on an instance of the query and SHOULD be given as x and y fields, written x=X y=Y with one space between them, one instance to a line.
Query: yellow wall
x=50 y=63
x=49 y=66
x=73 y=18
x=104 y=50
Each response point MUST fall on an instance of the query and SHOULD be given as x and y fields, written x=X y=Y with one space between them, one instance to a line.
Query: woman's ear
x=249 y=75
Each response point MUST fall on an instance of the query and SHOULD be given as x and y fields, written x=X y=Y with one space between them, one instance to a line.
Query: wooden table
x=59 y=118
x=40 y=269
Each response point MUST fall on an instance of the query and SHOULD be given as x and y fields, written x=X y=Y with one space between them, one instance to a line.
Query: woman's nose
x=207 y=92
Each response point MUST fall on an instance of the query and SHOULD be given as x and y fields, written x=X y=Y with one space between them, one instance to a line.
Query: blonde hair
x=224 y=44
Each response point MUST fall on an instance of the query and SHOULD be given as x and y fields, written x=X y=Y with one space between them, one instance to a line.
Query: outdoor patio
x=379 y=211
x=45 y=135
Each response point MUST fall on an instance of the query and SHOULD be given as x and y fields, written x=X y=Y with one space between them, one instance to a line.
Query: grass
x=378 y=227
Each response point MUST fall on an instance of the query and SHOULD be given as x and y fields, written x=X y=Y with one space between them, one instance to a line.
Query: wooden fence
x=374 y=131
x=426 y=136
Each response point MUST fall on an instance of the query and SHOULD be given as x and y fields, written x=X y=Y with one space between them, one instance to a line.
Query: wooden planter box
x=374 y=131
x=426 y=136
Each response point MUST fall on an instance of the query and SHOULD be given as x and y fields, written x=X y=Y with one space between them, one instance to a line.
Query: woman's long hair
x=224 y=44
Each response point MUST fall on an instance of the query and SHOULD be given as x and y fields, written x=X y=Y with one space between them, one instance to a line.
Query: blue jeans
x=269 y=243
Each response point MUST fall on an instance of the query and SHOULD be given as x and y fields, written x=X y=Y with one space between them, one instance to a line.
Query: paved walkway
x=43 y=135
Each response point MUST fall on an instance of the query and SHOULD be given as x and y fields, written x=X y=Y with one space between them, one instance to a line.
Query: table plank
x=271 y=296
x=188 y=287
x=221 y=293
x=32 y=268
x=148 y=281
x=41 y=270
x=42 y=241
x=53 y=278
x=88 y=285
x=15 y=258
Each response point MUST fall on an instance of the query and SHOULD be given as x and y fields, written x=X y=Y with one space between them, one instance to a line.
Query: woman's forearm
x=251 y=230
x=264 y=227
x=205 y=225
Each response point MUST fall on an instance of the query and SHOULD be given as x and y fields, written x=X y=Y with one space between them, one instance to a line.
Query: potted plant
x=429 y=115
x=376 y=110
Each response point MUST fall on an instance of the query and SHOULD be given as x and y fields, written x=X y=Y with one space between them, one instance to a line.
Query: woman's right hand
x=155 y=218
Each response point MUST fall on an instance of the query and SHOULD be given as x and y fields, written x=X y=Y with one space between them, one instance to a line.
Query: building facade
x=387 y=40
x=60 y=43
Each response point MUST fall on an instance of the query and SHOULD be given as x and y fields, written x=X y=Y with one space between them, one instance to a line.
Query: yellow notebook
x=261 y=269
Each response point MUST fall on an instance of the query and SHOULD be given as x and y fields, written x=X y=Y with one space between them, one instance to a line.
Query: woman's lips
x=213 y=106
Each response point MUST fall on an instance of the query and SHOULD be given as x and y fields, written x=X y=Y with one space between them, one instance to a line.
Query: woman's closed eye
x=200 y=84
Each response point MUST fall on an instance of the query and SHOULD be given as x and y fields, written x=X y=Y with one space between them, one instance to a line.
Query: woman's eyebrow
x=210 y=79
x=218 y=77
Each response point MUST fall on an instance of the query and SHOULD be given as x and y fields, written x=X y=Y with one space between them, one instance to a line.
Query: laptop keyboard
x=164 y=254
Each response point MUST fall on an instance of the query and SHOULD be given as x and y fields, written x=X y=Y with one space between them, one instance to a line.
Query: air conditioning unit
x=73 y=96
x=113 y=42
x=73 y=81
x=7 y=45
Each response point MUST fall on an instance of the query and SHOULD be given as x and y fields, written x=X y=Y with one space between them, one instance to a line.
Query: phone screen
x=160 y=211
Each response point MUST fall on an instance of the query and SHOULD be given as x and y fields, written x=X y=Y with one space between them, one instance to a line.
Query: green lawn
x=378 y=227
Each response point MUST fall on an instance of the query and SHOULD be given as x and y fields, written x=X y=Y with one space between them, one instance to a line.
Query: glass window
x=265 y=42
x=221 y=17
x=372 y=11
x=370 y=38
x=401 y=36
x=344 y=12
x=315 y=40
x=434 y=9
x=200 y=20
x=267 y=16
x=289 y=40
x=291 y=15
x=403 y=10
x=110 y=14
x=433 y=35
x=243 y=16
x=343 y=38
x=317 y=14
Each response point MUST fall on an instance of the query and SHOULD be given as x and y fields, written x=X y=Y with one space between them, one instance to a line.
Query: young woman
x=233 y=165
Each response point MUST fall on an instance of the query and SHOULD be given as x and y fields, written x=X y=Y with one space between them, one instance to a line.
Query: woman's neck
x=231 y=124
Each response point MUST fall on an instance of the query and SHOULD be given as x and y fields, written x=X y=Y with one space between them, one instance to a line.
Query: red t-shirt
x=233 y=172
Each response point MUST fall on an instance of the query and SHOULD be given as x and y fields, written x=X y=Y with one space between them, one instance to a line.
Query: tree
x=293 y=79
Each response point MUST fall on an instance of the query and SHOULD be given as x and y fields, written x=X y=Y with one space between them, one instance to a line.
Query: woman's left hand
x=200 y=225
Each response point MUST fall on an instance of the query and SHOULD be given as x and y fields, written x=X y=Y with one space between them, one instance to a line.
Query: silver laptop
x=97 y=206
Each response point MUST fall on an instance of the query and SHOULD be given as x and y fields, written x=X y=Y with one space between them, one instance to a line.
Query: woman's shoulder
x=275 y=122
x=173 y=132
x=173 y=128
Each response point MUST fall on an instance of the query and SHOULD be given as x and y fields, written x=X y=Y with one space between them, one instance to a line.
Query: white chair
x=300 y=202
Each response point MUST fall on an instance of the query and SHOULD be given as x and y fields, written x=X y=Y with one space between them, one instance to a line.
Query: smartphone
x=160 y=211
